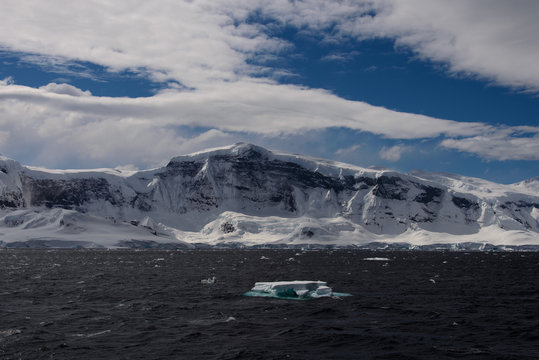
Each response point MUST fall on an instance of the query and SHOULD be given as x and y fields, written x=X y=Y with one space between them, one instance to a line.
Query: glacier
x=243 y=195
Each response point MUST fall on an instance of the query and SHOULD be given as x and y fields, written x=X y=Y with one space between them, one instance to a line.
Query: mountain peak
x=250 y=150
x=246 y=194
x=237 y=150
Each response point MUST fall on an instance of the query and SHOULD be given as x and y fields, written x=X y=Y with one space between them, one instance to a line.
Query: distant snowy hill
x=246 y=195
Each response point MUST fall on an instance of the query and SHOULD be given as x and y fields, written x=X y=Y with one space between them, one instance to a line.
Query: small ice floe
x=376 y=259
x=98 y=333
x=92 y=334
x=9 y=332
x=211 y=280
x=295 y=290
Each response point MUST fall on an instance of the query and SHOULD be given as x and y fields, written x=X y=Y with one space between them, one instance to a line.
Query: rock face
x=247 y=194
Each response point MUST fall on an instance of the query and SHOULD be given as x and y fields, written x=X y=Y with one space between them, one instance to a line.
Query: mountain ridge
x=246 y=195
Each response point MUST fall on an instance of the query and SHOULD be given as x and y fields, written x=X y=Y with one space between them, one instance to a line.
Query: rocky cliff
x=244 y=194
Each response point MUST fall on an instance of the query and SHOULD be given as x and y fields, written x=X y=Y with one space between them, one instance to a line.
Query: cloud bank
x=503 y=144
x=54 y=118
x=206 y=47
x=207 y=40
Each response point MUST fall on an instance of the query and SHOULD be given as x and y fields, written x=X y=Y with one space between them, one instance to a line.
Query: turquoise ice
x=294 y=290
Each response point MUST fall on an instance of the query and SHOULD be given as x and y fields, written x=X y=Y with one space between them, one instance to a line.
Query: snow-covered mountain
x=246 y=195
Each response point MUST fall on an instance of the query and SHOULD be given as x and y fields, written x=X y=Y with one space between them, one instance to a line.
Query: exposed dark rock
x=367 y=181
x=183 y=168
x=227 y=228
x=420 y=219
x=390 y=187
x=141 y=202
x=68 y=193
x=464 y=203
x=10 y=203
x=429 y=193
x=307 y=233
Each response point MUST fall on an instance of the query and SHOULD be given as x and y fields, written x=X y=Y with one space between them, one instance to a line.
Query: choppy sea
x=127 y=304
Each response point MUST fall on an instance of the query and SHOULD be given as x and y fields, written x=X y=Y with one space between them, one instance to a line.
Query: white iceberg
x=211 y=280
x=376 y=259
x=297 y=290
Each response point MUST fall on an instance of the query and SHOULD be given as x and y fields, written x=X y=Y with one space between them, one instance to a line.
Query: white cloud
x=495 y=40
x=393 y=153
x=348 y=150
x=7 y=81
x=65 y=89
x=492 y=39
x=503 y=144
x=205 y=45
x=59 y=65
x=144 y=130
x=209 y=40
x=191 y=42
x=248 y=106
x=208 y=139
x=340 y=56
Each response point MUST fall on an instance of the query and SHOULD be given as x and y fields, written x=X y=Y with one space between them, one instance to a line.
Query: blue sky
x=446 y=86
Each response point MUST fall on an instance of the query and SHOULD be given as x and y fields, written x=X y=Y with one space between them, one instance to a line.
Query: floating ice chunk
x=298 y=290
x=376 y=259
x=211 y=280
x=323 y=291
x=9 y=332
x=99 y=333
x=289 y=288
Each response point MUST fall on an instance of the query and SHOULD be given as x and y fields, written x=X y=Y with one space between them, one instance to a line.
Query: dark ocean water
x=126 y=304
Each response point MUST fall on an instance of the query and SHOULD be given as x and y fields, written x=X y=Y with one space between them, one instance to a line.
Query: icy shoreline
x=374 y=246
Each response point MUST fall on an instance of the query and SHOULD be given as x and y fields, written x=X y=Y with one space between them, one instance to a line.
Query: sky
x=438 y=85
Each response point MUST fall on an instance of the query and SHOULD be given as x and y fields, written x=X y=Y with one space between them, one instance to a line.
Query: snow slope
x=247 y=195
